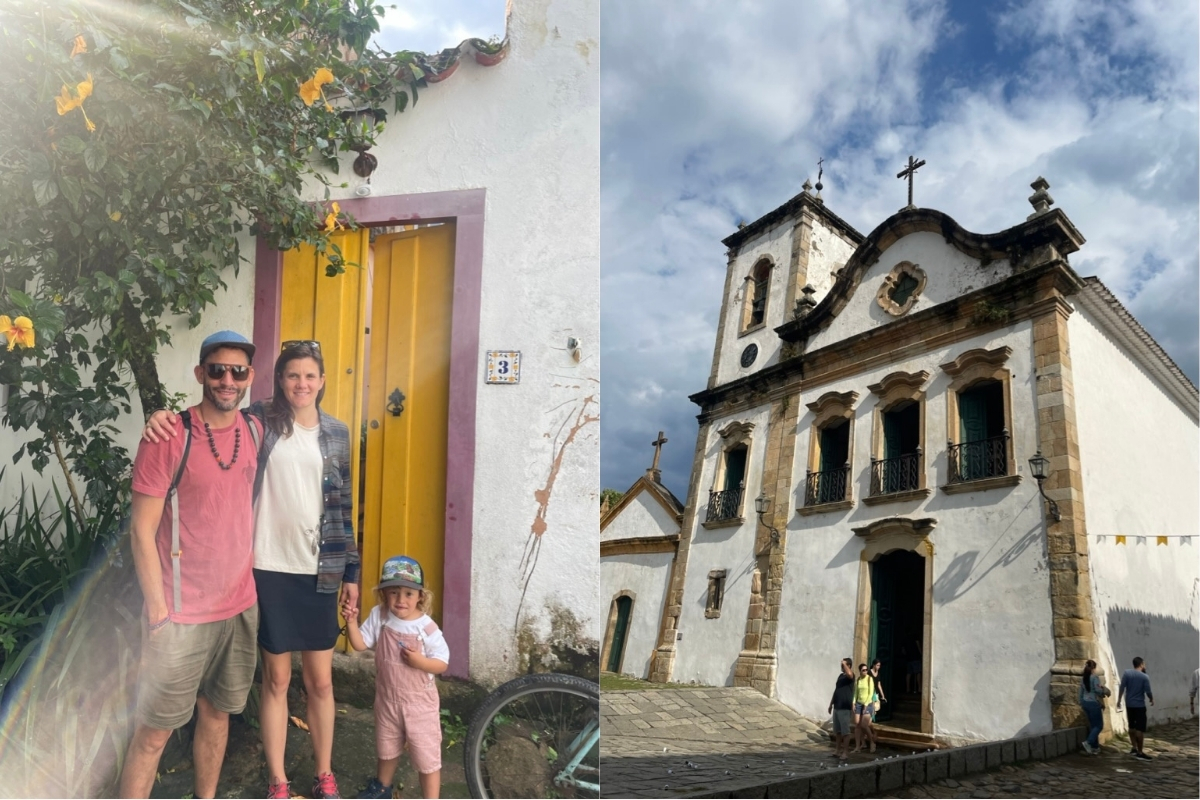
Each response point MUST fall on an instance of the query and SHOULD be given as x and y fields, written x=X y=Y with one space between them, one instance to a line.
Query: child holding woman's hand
x=409 y=651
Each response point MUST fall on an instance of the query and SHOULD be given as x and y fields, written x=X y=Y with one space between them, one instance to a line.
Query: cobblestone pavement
x=679 y=742
x=1174 y=772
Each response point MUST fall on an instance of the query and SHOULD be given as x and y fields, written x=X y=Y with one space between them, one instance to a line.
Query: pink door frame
x=465 y=209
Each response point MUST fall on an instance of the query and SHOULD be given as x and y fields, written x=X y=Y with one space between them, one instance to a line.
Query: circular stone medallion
x=749 y=354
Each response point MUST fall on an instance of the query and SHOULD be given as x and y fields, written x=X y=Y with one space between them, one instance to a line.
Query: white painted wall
x=1138 y=453
x=776 y=245
x=526 y=130
x=643 y=516
x=709 y=647
x=828 y=252
x=647 y=575
x=991 y=608
x=949 y=273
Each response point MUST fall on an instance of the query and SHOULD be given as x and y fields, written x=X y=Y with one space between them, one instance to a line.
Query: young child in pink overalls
x=409 y=651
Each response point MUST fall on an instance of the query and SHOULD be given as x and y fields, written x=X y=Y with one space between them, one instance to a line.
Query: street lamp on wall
x=762 y=505
x=1038 y=466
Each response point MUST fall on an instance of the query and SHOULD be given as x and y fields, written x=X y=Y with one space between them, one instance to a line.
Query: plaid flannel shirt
x=338 y=560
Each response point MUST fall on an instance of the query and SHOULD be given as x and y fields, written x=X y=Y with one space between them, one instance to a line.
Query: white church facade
x=880 y=398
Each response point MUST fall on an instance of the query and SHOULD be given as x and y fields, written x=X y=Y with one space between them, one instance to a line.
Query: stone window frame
x=716 y=593
x=880 y=538
x=967 y=371
x=826 y=409
x=749 y=295
x=735 y=434
x=610 y=629
x=884 y=296
x=894 y=389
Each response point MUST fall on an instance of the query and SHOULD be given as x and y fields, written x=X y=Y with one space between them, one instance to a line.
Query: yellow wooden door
x=330 y=310
x=411 y=302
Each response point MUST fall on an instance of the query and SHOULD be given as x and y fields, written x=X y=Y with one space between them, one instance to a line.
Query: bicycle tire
x=507 y=696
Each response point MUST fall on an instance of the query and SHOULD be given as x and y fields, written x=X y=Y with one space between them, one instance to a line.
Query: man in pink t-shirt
x=198 y=647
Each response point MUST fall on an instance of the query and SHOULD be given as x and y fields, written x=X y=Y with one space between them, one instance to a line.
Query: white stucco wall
x=643 y=516
x=991 y=595
x=828 y=251
x=709 y=647
x=1139 y=456
x=949 y=274
x=776 y=245
x=647 y=576
x=527 y=131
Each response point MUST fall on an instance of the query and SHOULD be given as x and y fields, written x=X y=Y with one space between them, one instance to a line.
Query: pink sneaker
x=279 y=790
x=325 y=786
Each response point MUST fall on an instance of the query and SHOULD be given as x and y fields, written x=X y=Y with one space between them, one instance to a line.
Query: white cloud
x=430 y=28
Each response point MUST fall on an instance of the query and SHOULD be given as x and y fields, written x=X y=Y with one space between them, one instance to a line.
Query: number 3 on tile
x=503 y=366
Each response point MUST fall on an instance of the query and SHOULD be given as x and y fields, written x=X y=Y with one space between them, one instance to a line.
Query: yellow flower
x=80 y=46
x=310 y=90
x=115 y=216
x=331 y=219
x=69 y=100
x=18 y=331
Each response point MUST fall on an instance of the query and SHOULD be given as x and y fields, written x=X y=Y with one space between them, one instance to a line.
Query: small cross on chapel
x=654 y=473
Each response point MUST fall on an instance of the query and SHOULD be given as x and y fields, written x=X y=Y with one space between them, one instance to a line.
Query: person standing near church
x=841 y=706
x=1135 y=687
x=194 y=557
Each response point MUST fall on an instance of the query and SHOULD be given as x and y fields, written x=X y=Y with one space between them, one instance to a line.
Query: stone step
x=901 y=737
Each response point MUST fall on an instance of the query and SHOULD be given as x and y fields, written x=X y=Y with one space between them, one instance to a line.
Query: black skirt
x=293 y=615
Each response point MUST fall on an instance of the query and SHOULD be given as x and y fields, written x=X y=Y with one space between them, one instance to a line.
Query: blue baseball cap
x=226 y=339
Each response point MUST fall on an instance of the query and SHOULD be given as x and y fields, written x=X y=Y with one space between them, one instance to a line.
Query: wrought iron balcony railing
x=900 y=474
x=724 y=505
x=827 y=486
x=986 y=458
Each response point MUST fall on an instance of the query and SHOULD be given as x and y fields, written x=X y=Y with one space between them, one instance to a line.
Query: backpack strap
x=255 y=431
x=173 y=497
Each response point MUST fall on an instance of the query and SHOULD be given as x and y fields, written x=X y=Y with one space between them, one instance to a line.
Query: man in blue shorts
x=1136 y=683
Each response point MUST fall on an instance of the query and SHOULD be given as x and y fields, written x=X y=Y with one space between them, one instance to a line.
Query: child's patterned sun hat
x=402 y=571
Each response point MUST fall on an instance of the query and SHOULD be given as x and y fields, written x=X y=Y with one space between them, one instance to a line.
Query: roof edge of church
x=665 y=497
x=1098 y=297
x=741 y=236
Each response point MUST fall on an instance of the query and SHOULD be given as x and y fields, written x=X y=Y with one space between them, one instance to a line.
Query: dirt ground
x=244 y=772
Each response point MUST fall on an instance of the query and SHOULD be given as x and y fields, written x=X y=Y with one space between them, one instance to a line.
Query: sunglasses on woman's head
x=290 y=343
x=217 y=371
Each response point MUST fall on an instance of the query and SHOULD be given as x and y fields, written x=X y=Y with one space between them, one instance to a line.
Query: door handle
x=395 y=405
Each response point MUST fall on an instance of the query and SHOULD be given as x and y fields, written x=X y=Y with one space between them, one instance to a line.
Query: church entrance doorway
x=897 y=635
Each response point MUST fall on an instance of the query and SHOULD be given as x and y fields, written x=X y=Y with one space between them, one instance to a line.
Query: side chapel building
x=881 y=397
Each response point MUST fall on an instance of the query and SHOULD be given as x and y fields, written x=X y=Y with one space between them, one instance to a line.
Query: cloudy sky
x=714 y=112
x=431 y=27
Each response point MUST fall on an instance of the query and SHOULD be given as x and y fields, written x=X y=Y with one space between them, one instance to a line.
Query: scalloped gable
x=996 y=256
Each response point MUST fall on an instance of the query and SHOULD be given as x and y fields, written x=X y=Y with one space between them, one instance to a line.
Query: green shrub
x=43 y=550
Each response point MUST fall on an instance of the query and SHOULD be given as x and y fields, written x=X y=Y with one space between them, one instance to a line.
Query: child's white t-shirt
x=435 y=644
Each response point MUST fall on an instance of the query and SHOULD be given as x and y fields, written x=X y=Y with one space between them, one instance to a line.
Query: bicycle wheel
x=536 y=736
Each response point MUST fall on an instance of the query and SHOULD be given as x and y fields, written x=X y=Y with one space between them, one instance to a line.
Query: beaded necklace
x=212 y=444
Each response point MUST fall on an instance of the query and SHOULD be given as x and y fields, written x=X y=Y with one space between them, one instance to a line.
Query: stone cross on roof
x=654 y=473
x=909 y=172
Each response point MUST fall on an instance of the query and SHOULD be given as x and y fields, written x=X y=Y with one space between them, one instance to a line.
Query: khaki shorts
x=180 y=662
